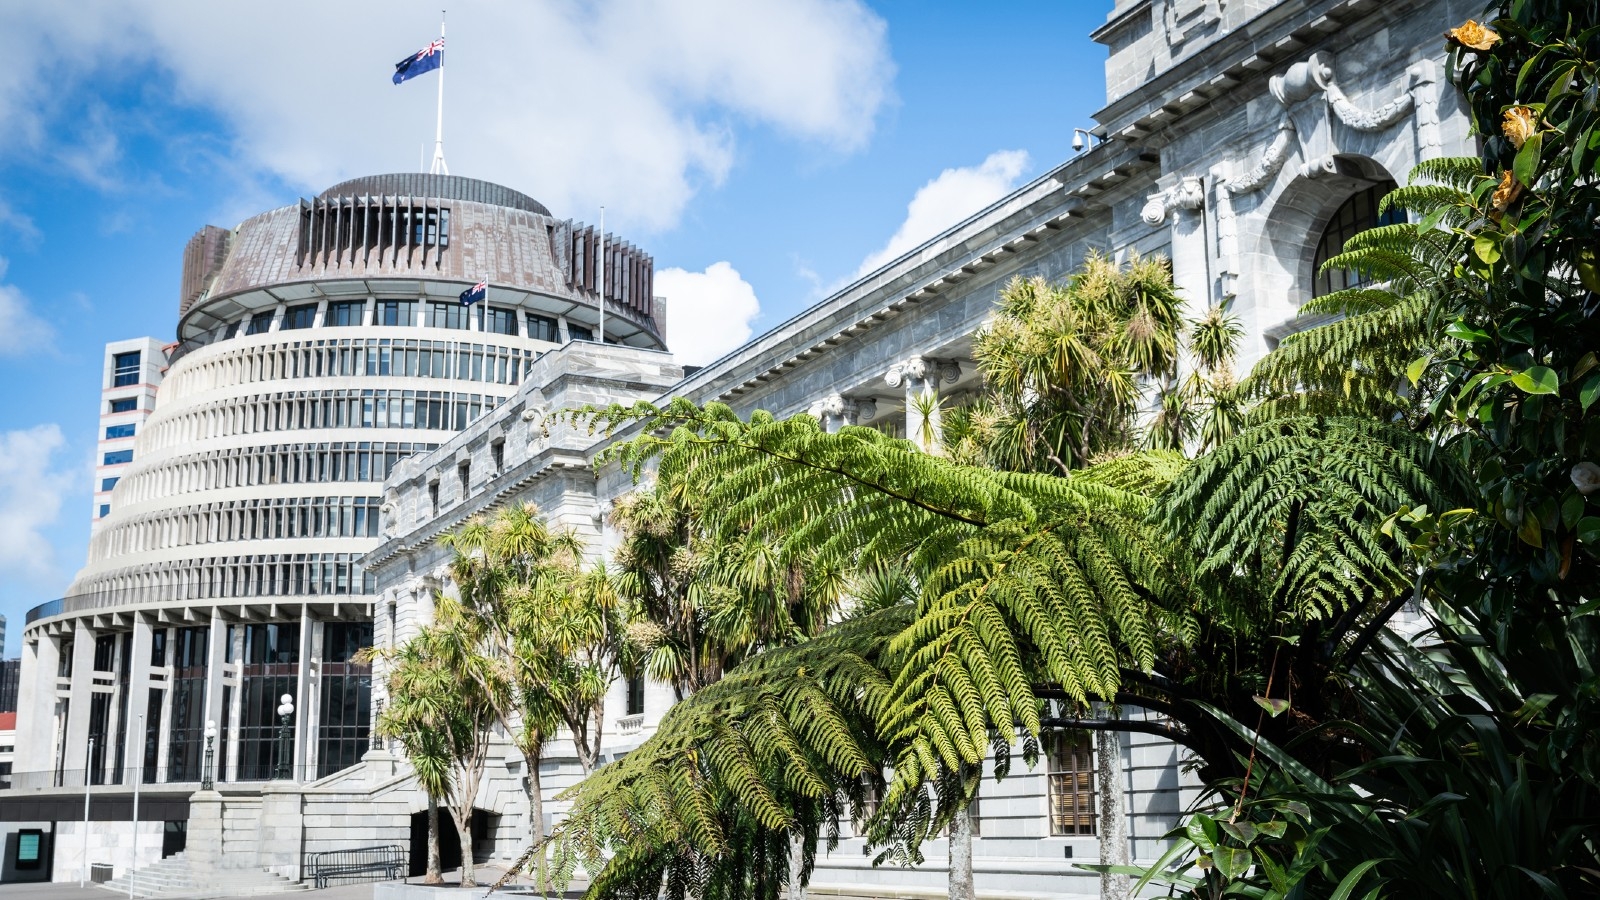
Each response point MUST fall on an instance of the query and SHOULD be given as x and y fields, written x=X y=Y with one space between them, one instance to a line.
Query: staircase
x=171 y=878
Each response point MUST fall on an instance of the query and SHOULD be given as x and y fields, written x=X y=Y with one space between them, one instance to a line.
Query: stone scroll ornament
x=921 y=370
x=1189 y=193
x=1308 y=93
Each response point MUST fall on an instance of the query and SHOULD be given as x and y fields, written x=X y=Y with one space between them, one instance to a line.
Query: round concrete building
x=317 y=345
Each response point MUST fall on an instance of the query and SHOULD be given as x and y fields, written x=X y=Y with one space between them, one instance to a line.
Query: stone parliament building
x=273 y=484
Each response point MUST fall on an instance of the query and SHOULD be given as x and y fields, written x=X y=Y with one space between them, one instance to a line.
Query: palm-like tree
x=442 y=717
x=501 y=565
x=1062 y=363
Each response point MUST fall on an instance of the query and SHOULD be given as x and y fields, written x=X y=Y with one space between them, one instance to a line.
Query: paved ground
x=71 y=891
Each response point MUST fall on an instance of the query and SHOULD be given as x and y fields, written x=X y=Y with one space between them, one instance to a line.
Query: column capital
x=924 y=370
x=1188 y=193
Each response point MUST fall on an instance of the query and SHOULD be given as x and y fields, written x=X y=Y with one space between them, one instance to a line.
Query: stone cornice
x=1049 y=204
x=1194 y=82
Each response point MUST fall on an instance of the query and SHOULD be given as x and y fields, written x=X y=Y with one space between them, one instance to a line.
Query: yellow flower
x=1474 y=36
x=1506 y=194
x=1519 y=124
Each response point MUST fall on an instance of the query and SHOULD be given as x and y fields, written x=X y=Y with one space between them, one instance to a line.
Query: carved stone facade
x=1234 y=130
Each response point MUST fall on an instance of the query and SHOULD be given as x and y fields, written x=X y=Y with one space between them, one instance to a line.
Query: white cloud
x=21 y=331
x=948 y=199
x=629 y=103
x=31 y=489
x=708 y=313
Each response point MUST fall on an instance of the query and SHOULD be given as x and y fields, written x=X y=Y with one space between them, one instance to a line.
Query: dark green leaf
x=1348 y=883
x=1537 y=380
x=1526 y=165
x=1591 y=390
x=1461 y=331
x=1589 y=529
x=1231 y=861
x=1243 y=832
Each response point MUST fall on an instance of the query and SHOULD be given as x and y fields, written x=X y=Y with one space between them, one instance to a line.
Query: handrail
x=357 y=864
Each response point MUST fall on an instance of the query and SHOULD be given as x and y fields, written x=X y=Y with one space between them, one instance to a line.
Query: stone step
x=172 y=879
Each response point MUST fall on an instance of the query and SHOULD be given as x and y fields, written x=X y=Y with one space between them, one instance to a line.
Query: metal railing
x=186 y=777
x=384 y=863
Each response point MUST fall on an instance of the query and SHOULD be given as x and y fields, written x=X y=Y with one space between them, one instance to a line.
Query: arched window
x=1358 y=214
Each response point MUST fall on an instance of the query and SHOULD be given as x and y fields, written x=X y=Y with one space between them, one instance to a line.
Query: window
x=1072 y=809
x=186 y=729
x=543 y=328
x=397 y=312
x=500 y=321
x=107 y=484
x=349 y=313
x=126 y=404
x=433 y=496
x=64 y=660
x=345 y=713
x=580 y=333
x=118 y=457
x=119 y=431
x=464 y=471
x=125 y=369
x=270 y=669
x=260 y=323
x=298 y=317
x=158 y=647
x=1358 y=214
x=105 y=510
x=497 y=455
x=448 y=315
x=635 y=700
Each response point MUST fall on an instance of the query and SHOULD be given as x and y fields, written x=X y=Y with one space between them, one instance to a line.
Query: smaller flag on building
x=426 y=60
x=475 y=293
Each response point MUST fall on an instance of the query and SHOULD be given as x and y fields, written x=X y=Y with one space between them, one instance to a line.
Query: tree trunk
x=434 y=875
x=797 y=858
x=1113 y=818
x=463 y=817
x=961 y=887
x=536 y=813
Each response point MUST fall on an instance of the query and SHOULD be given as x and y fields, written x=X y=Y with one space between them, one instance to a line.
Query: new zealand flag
x=426 y=60
x=475 y=293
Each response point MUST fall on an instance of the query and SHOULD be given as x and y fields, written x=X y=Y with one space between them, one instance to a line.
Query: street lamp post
x=285 y=749
x=208 y=777
x=86 y=779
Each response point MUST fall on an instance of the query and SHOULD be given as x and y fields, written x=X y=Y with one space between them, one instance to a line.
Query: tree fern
x=1362 y=361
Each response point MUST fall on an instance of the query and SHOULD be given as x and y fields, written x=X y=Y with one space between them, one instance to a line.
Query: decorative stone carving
x=1268 y=166
x=836 y=411
x=1188 y=193
x=923 y=370
x=1308 y=92
x=1425 y=93
x=1185 y=19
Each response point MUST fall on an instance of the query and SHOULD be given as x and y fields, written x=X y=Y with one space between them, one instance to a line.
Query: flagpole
x=602 y=336
x=439 y=167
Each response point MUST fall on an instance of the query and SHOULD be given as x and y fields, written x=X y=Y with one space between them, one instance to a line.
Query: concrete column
x=313 y=695
x=36 y=703
x=138 y=700
x=835 y=411
x=216 y=652
x=164 y=735
x=302 y=700
x=233 y=710
x=920 y=376
x=76 y=757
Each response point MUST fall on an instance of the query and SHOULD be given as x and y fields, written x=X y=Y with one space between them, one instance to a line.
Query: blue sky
x=764 y=151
